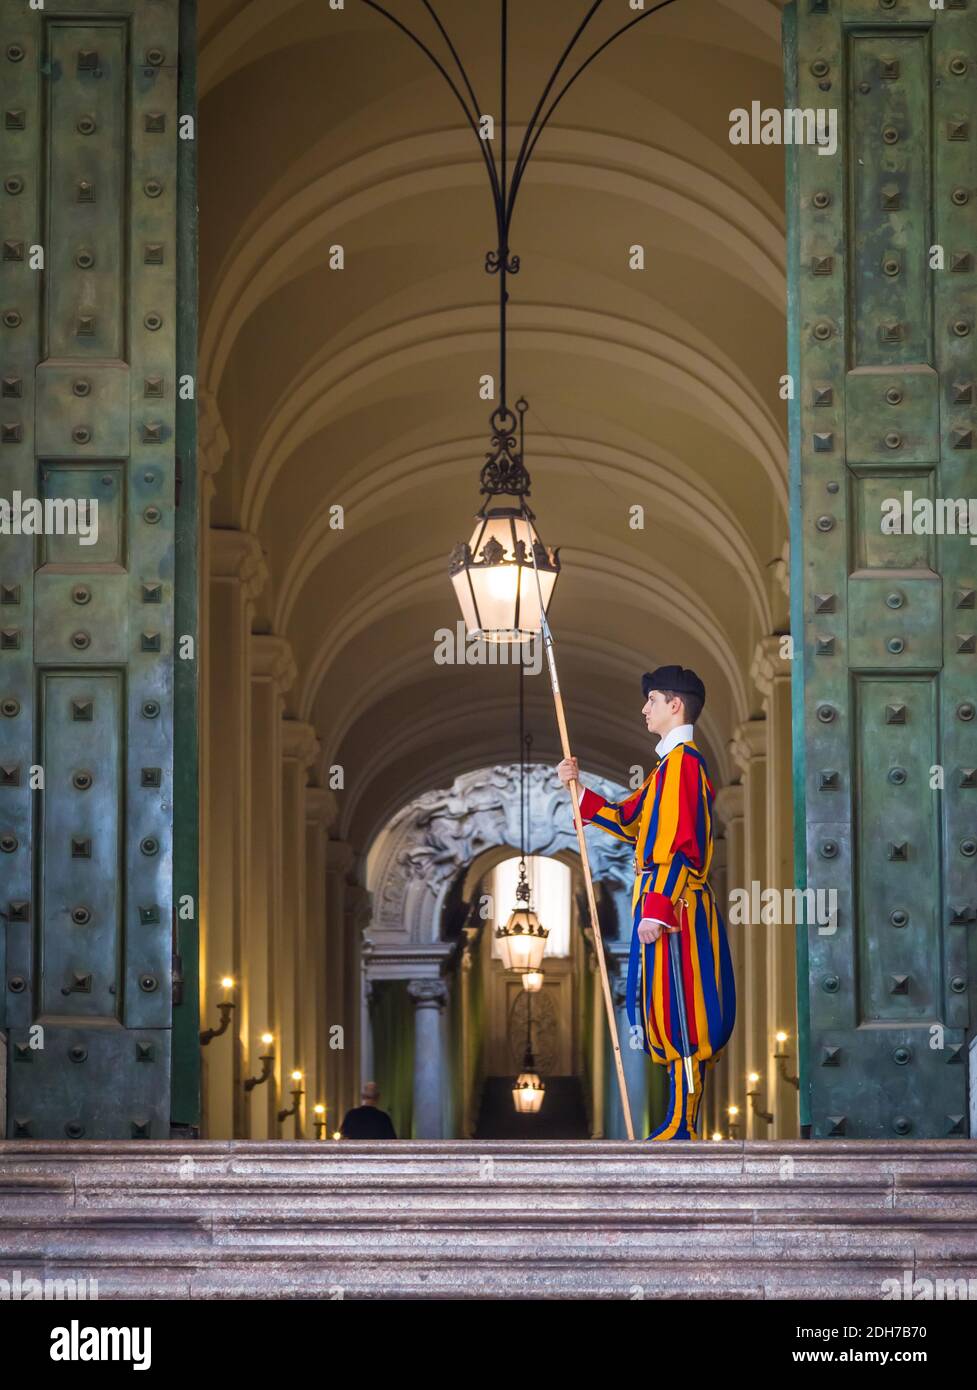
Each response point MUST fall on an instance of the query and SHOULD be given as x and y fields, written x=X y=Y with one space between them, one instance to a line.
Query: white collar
x=682 y=733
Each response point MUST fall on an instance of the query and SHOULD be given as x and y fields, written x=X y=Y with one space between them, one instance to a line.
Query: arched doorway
x=434 y=992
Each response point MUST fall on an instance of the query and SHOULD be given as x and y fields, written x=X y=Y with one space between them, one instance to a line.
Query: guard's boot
x=683 y=1103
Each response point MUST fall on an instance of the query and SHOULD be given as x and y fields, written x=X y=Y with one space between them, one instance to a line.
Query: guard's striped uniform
x=668 y=820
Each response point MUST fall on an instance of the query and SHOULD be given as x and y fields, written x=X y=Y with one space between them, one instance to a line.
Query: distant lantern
x=528 y=1091
x=522 y=941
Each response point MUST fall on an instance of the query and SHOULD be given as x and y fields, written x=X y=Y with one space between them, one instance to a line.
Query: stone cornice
x=408 y=962
x=212 y=438
x=272 y=660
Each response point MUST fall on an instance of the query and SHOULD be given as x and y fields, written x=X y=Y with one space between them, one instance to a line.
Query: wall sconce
x=781 y=1058
x=320 y=1121
x=733 y=1112
x=267 y=1060
x=297 y=1094
x=226 y=1007
x=754 y=1098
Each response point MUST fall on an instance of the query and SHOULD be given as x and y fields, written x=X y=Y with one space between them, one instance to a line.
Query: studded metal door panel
x=883 y=345
x=88 y=150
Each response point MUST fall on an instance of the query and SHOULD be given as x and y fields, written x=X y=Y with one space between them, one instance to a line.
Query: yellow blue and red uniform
x=668 y=820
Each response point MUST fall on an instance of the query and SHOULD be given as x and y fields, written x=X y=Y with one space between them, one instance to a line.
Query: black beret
x=677 y=678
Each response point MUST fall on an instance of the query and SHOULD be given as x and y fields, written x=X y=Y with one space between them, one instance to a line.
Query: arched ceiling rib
x=716 y=390
x=739 y=224
x=678 y=495
x=661 y=594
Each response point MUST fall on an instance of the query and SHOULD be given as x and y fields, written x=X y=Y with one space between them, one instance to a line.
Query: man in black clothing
x=368 y=1121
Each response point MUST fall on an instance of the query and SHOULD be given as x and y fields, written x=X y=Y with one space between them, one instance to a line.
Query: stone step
x=477 y=1219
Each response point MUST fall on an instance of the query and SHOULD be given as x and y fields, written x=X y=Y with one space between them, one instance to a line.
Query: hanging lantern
x=500 y=574
x=495 y=580
x=522 y=941
x=528 y=1091
x=532 y=981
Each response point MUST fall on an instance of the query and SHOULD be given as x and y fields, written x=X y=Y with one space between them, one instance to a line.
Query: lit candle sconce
x=717 y=1137
x=532 y=981
x=297 y=1094
x=267 y=1060
x=754 y=1098
x=733 y=1112
x=226 y=1007
x=337 y=1134
x=781 y=1057
x=320 y=1121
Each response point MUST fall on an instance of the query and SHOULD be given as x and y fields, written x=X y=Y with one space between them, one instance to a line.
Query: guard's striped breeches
x=707 y=976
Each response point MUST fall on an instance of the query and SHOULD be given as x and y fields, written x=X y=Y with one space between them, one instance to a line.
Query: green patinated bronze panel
x=883 y=308
x=89 y=147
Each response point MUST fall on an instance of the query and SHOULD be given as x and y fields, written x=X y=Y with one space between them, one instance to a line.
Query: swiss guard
x=681 y=991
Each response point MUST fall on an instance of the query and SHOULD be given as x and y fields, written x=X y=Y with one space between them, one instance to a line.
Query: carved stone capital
x=339 y=857
x=768 y=666
x=320 y=806
x=299 y=742
x=749 y=742
x=237 y=555
x=728 y=804
x=272 y=660
x=428 y=994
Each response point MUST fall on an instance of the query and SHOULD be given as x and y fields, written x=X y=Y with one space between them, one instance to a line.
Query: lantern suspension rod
x=529 y=144
x=471 y=119
x=504 y=191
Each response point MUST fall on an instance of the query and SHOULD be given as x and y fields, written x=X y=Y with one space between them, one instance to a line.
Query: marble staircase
x=490 y=1219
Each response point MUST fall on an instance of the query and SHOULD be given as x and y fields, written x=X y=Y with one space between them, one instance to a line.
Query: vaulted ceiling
x=359 y=387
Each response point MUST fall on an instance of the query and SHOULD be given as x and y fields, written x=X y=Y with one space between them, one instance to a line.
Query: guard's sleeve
x=682 y=838
x=618 y=818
